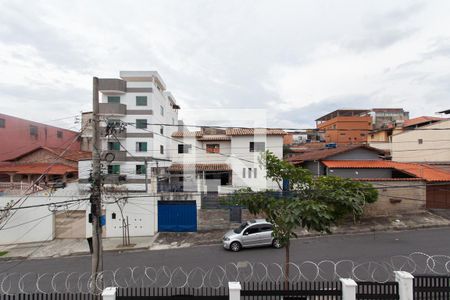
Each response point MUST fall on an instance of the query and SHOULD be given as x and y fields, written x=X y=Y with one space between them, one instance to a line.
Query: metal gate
x=177 y=216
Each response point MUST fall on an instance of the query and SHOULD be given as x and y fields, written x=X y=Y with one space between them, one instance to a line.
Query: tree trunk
x=286 y=265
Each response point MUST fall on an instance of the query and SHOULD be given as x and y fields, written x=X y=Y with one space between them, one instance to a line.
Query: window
x=113 y=99
x=257 y=146
x=184 y=148
x=251 y=230
x=254 y=170
x=212 y=148
x=113 y=123
x=114 y=169
x=161 y=130
x=59 y=134
x=362 y=134
x=141 y=100
x=141 y=123
x=243 y=172
x=420 y=141
x=115 y=146
x=33 y=131
x=141 y=146
x=161 y=149
x=2 y=123
x=140 y=169
x=162 y=110
x=249 y=172
x=265 y=227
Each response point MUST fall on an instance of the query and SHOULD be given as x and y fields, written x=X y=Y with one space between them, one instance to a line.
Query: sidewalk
x=167 y=240
x=68 y=247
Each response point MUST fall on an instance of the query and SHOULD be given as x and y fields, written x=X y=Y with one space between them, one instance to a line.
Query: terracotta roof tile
x=425 y=172
x=187 y=134
x=37 y=168
x=421 y=120
x=319 y=154
x=73 y=155
x=215 y=137
x=255 y=131
x=199 y=167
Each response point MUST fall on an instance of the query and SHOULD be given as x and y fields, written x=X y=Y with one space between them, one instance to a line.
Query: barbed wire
x=218 y=276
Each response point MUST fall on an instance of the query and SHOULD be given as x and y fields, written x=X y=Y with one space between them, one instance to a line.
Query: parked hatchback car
x=252 y=233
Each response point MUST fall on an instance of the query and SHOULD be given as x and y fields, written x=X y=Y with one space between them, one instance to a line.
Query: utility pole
x=96 y=205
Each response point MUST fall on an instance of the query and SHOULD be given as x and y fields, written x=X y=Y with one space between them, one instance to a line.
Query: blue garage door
x=177 y=216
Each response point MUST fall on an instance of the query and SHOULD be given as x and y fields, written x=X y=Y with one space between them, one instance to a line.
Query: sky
x=297 y=60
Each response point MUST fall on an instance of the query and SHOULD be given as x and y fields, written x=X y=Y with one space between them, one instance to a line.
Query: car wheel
x=235 y=246
x=276 y=244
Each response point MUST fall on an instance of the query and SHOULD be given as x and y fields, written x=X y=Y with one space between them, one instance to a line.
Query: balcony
x=114 y=155
x=112 y=86
x=118 y=134
x=113 y=109
x=115 y=179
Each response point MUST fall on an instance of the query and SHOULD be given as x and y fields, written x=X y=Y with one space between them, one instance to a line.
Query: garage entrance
x=177 y=216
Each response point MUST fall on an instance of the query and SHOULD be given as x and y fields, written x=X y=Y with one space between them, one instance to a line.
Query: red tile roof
x=199 y=167
x=255 y=131
x=425 y=172
x=421 y=120
x=232 y=132
x=215 y=137
x=319 y=154
x=37 y=168
x=72 y=155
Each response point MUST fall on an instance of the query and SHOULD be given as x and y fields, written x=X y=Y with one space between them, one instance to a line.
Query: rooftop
x=142 y=76
x=37 y=168
x=421 y=120
x=343 y=113
x=426 y=172
x=199 y=167
x=201 y=135
x=73 y=155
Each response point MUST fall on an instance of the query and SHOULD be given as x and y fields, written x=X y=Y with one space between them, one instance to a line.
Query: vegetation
x=314 y=203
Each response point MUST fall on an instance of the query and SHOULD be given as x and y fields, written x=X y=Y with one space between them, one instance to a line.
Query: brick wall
x=397 y=197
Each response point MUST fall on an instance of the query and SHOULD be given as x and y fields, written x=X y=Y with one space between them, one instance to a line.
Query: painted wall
x=356 y=154
x=425 y=144
x=361 y=173
x=15 y=137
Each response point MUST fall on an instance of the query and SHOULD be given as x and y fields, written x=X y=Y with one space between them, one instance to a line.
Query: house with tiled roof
x=221 y=160
x=54 y=164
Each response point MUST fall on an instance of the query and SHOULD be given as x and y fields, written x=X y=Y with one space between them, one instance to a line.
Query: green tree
x=313 y=203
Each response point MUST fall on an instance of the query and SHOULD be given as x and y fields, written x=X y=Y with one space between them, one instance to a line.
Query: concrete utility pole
x=96 y=205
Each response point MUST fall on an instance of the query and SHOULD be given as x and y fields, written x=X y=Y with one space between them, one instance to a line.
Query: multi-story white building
x=222 y=160
x=135 y=142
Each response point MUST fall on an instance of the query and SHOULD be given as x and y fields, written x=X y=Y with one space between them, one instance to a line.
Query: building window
x=114 y=146
x=420 y=141
x=212 y=148
x=141 y=146
x=114 y=169
x=2 y=123
x=249 y=172
x=33 y=131
x=243 y=172
x=140 y=170
x=362 y=134
x=162 y=110
x=141 y=100
x=254 y=170
x=59 y=134
x=257 y=146
x=184 y=148
x=161 y=149
x=113 y=99
x=161 y=130
x=141 y=123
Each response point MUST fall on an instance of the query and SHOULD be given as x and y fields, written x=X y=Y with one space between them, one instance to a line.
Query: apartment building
x=345 y=126
x=384 y=117
x=138 y=116
x=222 y=161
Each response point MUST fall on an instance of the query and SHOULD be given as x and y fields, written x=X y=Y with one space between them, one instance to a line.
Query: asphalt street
x=377 y=247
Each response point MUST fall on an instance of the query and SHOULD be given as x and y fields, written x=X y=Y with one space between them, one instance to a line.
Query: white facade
x=425 y=144
x=245 y=169
x=143 y=98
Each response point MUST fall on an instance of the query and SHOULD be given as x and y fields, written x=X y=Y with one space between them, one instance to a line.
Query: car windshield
x=240 y=228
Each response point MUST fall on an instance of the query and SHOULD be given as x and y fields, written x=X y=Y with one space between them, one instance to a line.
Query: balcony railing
x=122 y=134
x=114 y=155
x=115 y=109
x=112 y=85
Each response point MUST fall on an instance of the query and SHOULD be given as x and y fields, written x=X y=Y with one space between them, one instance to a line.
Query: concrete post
x=348 y=289
x=109 y=293
x=234 y=290
x=405 y=285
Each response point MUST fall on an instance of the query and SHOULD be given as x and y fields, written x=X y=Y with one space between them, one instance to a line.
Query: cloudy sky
x=297 y=59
